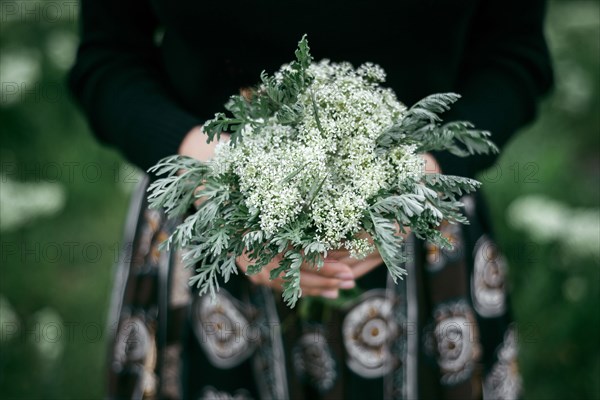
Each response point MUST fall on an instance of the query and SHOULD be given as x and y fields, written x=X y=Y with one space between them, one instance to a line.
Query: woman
x=149 y=73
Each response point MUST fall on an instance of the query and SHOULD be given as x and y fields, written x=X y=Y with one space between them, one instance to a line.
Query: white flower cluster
x=321 y=157
x=326 y=164
x=547 y=220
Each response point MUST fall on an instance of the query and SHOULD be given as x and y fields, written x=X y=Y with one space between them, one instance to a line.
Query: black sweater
x=142 y=93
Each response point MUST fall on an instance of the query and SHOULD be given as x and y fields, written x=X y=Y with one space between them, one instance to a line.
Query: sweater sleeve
x=118 y=81
x=506 y=68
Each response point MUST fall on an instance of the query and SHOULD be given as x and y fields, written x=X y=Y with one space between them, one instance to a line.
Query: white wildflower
x=334 y=143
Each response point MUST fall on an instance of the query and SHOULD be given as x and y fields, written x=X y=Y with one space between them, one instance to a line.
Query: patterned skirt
x=444 y=332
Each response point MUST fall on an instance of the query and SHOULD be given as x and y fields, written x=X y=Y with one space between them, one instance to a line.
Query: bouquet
x=319 y=154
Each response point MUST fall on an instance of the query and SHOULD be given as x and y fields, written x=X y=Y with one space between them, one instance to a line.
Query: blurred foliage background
x=64 y=199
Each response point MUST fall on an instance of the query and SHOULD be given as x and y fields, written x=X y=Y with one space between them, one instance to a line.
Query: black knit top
x=149 y=71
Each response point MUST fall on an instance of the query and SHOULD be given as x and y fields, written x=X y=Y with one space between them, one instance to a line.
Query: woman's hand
x=194 y=144
x=326 y=282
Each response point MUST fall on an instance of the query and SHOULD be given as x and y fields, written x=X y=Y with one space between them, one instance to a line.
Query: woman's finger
x=317 y=287
x=328 y=294
x=312 y=280
x=324 y=282
x=332 y=269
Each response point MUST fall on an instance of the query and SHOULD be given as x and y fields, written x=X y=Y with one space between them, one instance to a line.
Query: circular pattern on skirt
x=454 y=341
x=488 y=288
x=504 y=380
x=367 y=332
x=223 y=330
x=314 y=362
x=133 y=341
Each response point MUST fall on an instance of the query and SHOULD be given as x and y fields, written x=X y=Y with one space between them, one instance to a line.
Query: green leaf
x=421 y=125
x=291 y=279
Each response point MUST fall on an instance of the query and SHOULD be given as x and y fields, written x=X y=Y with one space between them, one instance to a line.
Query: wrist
x=431 y=164
x=195 y=144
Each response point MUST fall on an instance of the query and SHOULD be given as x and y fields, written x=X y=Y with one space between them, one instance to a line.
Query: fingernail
x=346 y=276
x=346 y=284
x=330 y=294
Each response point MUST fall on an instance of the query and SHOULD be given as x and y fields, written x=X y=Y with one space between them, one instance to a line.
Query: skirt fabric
x=444 y=332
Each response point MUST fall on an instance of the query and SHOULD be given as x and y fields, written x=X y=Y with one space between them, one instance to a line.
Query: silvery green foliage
x=319 y=153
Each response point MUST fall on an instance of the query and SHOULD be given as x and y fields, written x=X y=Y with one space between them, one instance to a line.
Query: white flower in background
x=9 y=321
x=543 y=218
x=583 y=232
x=19 y=71
x=49 y=338
x=547 y=220
x=25 y=202
x=61 y=46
